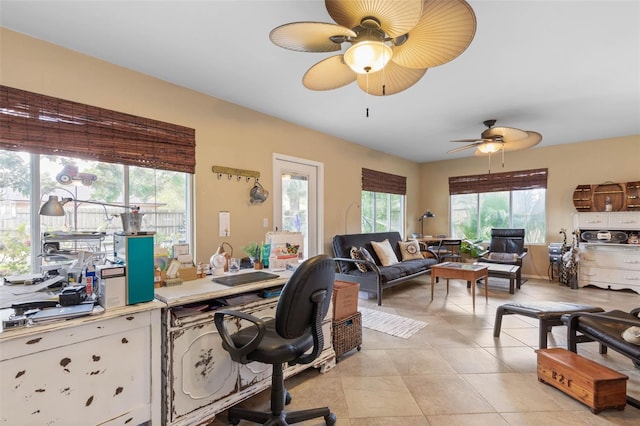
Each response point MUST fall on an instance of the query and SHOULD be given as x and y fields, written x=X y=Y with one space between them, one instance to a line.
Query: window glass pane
x=529 y=208
x=81 y=182
x=396 y=213
x=162 y=197
x=473 y=215
x=464 y=216
x=382 y=212
x=15 y=217
x=368 y=211
x=295 y=205
x=494 y=213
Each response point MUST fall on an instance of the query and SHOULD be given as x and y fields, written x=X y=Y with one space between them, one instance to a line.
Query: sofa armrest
x=370 y=265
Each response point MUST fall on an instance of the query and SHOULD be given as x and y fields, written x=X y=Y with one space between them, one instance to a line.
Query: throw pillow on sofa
x=410 y=250
x=357 y=255
x=385 y=252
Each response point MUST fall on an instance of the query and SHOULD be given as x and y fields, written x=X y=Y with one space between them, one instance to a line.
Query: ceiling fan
x=390 y=43
x=495 y=139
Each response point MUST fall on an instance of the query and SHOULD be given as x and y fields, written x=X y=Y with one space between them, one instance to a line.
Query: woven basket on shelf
x=347 y=334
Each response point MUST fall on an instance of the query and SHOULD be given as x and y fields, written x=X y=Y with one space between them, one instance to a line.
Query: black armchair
x=507 y=248
x=606 y=328
x=294 y=336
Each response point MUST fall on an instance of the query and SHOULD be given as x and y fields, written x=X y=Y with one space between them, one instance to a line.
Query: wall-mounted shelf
x=231 y=172
x=620 y=197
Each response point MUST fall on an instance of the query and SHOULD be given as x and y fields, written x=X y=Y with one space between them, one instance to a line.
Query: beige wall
x=232 y=136
x=594 y=162
x=226 y=135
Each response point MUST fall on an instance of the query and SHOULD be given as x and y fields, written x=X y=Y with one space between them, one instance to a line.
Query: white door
x=297 y=203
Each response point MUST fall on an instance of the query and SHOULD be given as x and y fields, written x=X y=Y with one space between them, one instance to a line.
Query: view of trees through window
x=161 y=196
x=382 y=212
x=473 y=215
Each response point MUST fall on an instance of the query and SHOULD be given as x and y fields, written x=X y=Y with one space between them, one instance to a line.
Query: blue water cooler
x=136 y=251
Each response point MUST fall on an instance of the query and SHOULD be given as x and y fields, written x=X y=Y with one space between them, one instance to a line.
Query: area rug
x=394 y=325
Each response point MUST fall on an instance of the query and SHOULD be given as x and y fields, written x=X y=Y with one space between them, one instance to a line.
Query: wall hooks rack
x=239 y=173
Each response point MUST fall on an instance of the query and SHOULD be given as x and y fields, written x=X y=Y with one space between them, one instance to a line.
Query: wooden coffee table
x=463 y=271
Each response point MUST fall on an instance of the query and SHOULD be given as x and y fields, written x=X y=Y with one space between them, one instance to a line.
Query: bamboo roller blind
x=494 y=182
x=47 y=125
x=375 y=181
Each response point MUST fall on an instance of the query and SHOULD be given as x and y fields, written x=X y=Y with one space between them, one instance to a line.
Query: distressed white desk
x=99 y=369
x=199 y=379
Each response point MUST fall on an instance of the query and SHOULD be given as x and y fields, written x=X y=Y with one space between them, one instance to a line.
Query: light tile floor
x=454 y=372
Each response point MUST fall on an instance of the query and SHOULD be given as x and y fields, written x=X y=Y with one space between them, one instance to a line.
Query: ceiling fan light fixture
x=489 y=147
x=368 y=56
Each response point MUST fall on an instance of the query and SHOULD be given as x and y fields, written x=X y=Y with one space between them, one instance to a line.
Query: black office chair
x=287 y=338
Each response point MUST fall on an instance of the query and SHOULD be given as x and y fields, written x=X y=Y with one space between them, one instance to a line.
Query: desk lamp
x=425 y=215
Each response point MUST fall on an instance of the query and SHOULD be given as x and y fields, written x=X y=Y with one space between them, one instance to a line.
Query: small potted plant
x=472 y=249
x=254 y=251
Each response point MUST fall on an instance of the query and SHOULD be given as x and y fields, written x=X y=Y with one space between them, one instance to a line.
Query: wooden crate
x=595 y=385
x=347 y=334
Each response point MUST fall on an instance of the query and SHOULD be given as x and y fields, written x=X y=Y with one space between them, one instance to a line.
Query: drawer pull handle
x=632 y=278
x=631 y=261
x=589 y=259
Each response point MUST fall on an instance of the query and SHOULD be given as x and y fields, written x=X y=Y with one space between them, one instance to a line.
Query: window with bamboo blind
x=43 y=124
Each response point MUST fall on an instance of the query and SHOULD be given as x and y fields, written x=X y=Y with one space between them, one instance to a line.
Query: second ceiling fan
x=495 y=139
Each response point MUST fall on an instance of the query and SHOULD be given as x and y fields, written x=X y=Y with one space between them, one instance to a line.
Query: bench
x=549 y=314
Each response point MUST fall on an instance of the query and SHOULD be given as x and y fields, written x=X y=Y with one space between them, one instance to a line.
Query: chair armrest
x=238 y=354
x=572 y=319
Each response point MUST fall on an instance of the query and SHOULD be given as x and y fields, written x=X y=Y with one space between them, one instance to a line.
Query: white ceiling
x=568 y=69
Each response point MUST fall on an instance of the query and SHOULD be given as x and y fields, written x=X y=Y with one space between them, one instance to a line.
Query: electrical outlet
x=265 y=222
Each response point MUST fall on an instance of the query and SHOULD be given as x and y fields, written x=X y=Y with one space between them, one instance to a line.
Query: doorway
x=298 y=194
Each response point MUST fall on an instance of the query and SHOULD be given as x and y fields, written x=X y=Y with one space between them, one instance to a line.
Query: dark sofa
x=378 y=277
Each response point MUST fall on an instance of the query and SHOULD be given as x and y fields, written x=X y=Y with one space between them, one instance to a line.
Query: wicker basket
x=347 y=334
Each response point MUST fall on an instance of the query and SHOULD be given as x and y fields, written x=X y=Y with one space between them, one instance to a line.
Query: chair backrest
x=295 y=309
x=507 y=240
x=449 y=249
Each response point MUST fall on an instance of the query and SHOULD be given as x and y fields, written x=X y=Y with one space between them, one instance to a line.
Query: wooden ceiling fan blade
x=395 y=17
x=328 y=74
x=462 y=148
x=470 y=140
x=309 y=36
x=508 y=134
x=390 y=80
x=532 y=139
x=445 y=30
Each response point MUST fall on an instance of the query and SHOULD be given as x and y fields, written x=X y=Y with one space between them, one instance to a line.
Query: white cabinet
x=199 y=377
x=619 y=221
x=608 y=265
x=86 y=371
x=614 y=266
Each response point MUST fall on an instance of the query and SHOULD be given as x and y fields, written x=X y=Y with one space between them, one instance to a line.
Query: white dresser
x=609 y=265
x=199 y=379
x=91 y=370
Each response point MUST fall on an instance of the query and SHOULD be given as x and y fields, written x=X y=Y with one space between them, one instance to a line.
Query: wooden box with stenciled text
x=594 y=385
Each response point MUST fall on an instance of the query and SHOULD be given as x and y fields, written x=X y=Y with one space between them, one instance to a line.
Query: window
x=90 y=155
x=382 y=201
x=382 y=212
x=161 y=195
x=501 y=200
